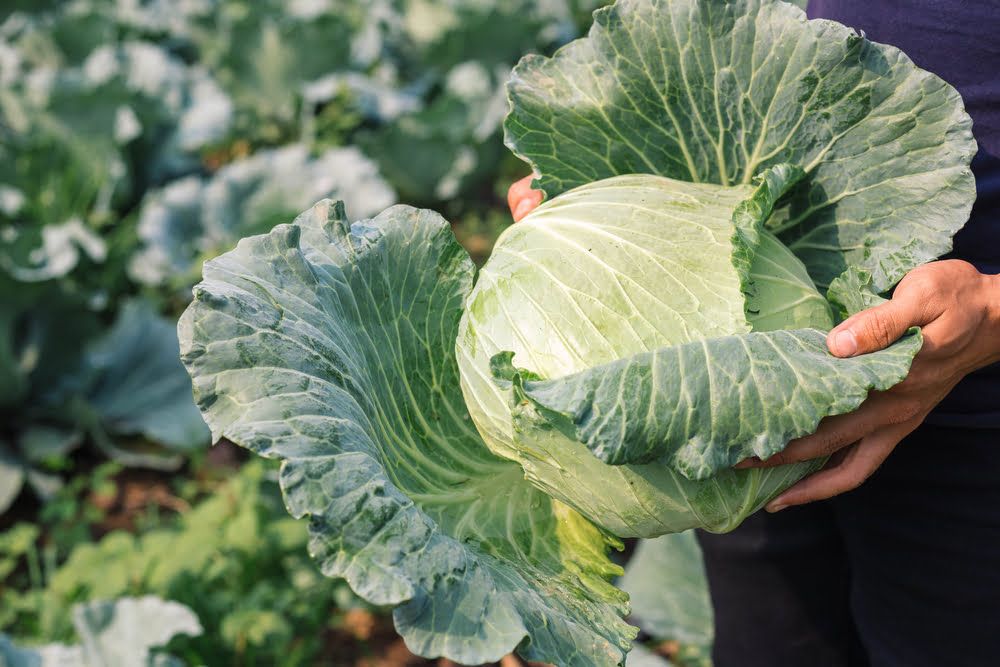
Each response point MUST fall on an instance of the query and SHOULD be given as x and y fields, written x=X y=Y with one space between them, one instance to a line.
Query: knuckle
x=905 y=411
x=920 y=281
x=957 y=266
x=830 y=447
x=848 y=479
x=879 y=328
x=779 y=459
x=915 y=380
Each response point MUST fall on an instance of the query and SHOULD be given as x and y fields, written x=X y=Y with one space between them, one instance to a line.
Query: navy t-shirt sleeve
x=958 y=41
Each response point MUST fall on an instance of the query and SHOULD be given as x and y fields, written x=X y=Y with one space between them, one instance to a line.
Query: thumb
x=872 y=329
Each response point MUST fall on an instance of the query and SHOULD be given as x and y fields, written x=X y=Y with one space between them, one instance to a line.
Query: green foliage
x=676 y=87
x=710 y=167
x=236 y=559
x=420 y=515
x=112 y=633
x=139 y=139
x=668 y=590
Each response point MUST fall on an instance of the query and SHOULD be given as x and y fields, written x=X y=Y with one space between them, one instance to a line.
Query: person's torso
x=957 y=40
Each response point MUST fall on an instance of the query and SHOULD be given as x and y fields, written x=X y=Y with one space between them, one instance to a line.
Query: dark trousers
x=903 y=571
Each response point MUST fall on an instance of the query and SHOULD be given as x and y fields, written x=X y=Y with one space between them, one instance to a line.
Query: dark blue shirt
x=959 y=40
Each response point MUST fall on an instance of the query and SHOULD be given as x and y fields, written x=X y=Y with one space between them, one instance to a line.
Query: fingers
x=522 y=199
x=916 y=302
x=847 y=471
x=835 y=433
x=875 y=328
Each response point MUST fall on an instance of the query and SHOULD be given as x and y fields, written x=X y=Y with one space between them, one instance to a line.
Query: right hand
x=522 y=199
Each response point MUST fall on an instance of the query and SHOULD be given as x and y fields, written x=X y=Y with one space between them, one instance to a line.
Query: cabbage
x=112 y=632
x=724 y=182
x=625 y=265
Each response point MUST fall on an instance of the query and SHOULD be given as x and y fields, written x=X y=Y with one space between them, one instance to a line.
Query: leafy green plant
x=123 y=391
x=668 y=590
x=113 y=633
x=235 y=558
x=67 y=391
x=725 y=181
x=139 y=139
x=192 y=219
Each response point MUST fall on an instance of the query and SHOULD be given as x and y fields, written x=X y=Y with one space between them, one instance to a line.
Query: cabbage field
x=282 y=385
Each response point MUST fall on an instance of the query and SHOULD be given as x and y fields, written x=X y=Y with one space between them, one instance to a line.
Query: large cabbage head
x=607 y=270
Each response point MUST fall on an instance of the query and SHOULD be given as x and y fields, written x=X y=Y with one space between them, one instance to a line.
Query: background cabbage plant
x=138 y=139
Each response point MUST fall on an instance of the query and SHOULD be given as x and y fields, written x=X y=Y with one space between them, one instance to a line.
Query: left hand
x=958 y=309
x=522 y=199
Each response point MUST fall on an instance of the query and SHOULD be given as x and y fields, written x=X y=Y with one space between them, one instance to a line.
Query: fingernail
x=522 y=209
x=844 y=343
x=747 y=463
x=775 y=507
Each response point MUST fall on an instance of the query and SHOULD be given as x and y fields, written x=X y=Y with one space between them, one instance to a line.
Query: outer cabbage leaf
x=711 y=91
x=852 y=292
x=38 y=344
x=121 y=632
x=21 y=464
x=704 y=406
x=330 y=345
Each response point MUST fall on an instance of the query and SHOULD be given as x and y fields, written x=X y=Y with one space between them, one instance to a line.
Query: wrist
x=992 y=308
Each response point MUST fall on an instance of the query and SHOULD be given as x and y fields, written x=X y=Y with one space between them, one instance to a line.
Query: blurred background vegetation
x=139 y=138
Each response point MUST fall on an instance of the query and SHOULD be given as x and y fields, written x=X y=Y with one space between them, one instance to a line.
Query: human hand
x=522 y=199
x=958 y=309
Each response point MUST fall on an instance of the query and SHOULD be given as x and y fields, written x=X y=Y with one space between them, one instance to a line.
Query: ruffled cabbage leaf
x=330 y=345
x=716 y=92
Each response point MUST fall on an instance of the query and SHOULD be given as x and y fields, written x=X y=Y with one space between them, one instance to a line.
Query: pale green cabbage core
x=609 y=270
